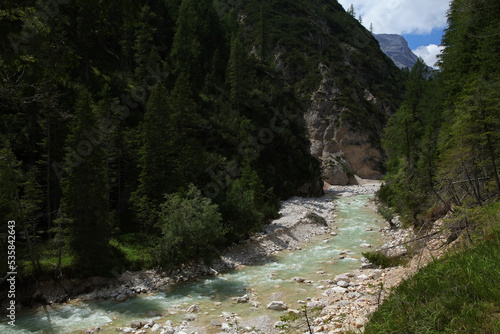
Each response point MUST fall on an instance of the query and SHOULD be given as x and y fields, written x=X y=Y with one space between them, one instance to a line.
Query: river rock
x=365 y=246
x=193 y=309
x=243 y=299
x=137 y=324
x=140 y=289
x=226 y=327
x=343 y=284
x=168 y=330
x=277 y=306
x=342 y=277
x=128 y=330
x=155 y=328
x=333 y=290
x=342 y=303
x=368 y=265
x=315 y=304
x=376 y=274
x=215 y=323
x=362 y=277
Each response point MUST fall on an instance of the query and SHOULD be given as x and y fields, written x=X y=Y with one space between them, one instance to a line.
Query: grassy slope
x=458 y=293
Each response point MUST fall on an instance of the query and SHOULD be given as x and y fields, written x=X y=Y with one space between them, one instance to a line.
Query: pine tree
x=237 y=73
x=351 y=11
x=85 y=193
x=20 y=199
x=171 y=153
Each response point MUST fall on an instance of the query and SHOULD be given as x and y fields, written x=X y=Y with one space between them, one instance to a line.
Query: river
x=318 y=261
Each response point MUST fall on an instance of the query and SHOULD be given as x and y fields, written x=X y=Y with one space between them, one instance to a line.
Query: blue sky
x=420 y=22
x=414 y=40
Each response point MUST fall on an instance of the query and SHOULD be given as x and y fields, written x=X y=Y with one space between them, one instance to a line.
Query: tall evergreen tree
x=85 y=192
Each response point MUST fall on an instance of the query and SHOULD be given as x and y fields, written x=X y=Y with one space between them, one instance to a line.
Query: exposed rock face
x=345 y=149
x=396 y=48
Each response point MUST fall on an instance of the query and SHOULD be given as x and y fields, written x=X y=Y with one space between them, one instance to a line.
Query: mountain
x=396 y=47
x=347 y=85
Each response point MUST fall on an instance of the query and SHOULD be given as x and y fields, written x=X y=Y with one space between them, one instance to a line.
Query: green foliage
x=191 y=228
x=136 y=250
x=386 y=212
x=384 y=261
x=411 y=138
x=317 y=219
x=85 y=202
x=245 y=205
x=455 y=294
x=293 y=321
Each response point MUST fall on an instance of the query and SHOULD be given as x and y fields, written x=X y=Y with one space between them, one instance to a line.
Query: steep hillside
x=347 y=85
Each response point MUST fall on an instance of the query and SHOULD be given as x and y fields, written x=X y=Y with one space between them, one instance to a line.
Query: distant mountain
x=396 y=48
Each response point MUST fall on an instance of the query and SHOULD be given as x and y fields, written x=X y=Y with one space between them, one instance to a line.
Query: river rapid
x=294 y=276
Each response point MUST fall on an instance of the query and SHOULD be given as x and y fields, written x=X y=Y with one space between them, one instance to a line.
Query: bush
x=315 y=218
x=191 y=229
x=384 y=261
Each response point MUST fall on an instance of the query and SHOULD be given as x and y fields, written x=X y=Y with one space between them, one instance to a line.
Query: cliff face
x=347 y=85
x=396 y=48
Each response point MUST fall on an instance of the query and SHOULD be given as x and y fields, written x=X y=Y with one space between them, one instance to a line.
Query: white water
x=268 y=281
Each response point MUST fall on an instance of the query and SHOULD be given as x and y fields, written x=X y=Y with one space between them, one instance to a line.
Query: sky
x=420 y=22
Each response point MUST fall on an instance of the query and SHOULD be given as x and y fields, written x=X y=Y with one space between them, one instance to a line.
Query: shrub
x=315 y=218
x=380 y=259
x=191 y=228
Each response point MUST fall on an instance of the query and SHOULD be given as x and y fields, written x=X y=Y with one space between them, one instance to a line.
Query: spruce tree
x=85 y=193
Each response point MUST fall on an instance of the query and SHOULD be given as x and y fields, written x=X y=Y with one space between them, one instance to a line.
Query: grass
x=135 y=251
x=455 y=294
x=129 y=251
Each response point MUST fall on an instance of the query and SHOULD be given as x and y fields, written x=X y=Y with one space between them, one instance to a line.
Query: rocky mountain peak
x=396 y=48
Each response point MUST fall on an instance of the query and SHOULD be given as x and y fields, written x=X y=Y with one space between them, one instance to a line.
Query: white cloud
x=429 y=53
x=400 y=16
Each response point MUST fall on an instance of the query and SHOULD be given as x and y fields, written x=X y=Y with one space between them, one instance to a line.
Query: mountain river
x=321 y=259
